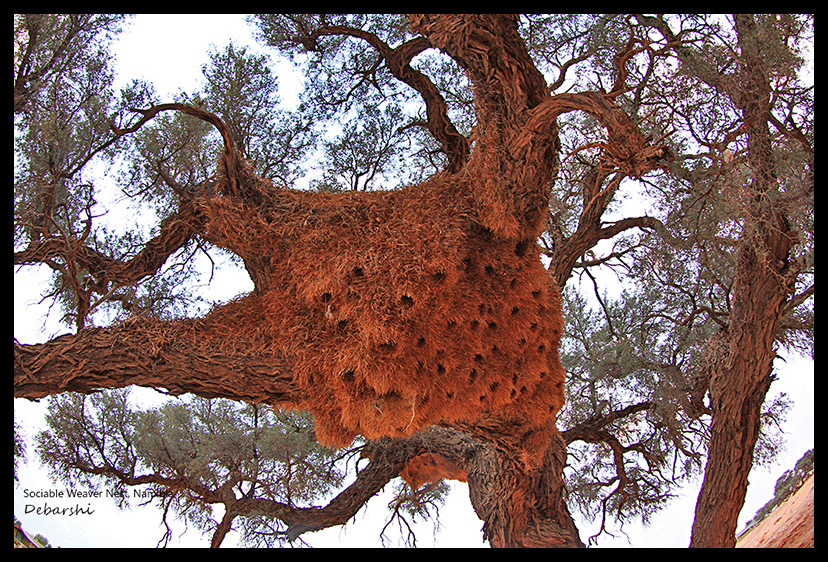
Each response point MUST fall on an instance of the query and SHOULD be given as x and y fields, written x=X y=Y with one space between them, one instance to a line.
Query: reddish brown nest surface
x=398 y=309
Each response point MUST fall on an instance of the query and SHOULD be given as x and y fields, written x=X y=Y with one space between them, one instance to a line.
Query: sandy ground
x=791 y=525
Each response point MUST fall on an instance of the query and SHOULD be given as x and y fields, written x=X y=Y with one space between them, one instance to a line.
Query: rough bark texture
x=155 y=354
x=519 y=507
x=387 y=313
x=760 y=291
x=387 y=457
x=515 y=162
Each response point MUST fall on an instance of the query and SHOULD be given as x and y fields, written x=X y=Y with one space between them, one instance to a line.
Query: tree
x=356 y=158
x=47 y=46
x=42 y=540
x=18 y=449
x=765 y=270
x=188 y=458
x=440 y=282
x=787 y=484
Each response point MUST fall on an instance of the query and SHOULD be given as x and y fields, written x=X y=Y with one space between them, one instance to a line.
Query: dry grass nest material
x=398 y=309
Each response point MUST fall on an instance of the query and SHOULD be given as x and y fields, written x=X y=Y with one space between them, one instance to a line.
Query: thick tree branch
x=761 y=289
x=521 y=508
x=626 y=148
x=388 y=457
x=175 y=231
x=516 y=163
x=150 y=353
x=506 y=84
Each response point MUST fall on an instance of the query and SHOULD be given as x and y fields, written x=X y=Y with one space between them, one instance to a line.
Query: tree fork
x=455 y=145
x=515 y=160
x=387 y=458
x=515 y=165
x=761 y=290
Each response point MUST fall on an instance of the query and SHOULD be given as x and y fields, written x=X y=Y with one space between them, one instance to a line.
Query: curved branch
x=591 y=230
x=176 y=230
x=494 y=55
x=627 y=153
x=455 y=145
x=626 y=148
x=798 y=299
x=644 y=222
x=231 y=165
x=203 y=114
x=388 y=457
x=565 y=67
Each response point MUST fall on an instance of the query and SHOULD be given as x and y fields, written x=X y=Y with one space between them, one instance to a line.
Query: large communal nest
x=398 y=310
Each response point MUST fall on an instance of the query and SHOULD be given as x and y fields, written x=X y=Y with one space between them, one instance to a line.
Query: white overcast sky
x=169 y=50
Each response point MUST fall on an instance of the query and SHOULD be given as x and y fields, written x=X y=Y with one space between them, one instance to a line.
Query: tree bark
x=515 y=164
x=387 y=458
x=760 y=291
x=397 y=60
x=511 y=169
x=522 y=508
x=153 y=353
x=224 y=527
x=737 y=393
x=175 y=231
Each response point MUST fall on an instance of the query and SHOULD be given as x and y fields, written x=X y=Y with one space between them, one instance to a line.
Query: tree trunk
x=514 y=163
x=519 y=507
x=378 y=328
x=737 y=393
x=760 y=291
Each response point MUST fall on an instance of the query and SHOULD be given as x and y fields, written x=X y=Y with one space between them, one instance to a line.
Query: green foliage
x=806 y=463
x=639 y=348
x=18 y=449
x=409 y=506
x=241 y=89
x=345 y=78
x=618 y=357
x=185 y=455
x=340 y=68
x=355 y=160
x=63 y=125
x=787 y=484
x=50 y=47
x=42 y=540
x=575 y=46
x=87 y=432
x=651 y=341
